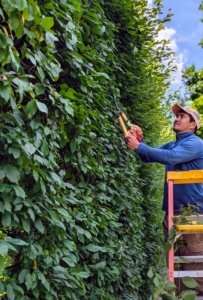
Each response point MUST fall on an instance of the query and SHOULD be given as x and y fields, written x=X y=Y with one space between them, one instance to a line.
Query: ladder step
x=197 y=298
x=190 y=259
x=194 y=273
x=195 y=218
x=190 y=228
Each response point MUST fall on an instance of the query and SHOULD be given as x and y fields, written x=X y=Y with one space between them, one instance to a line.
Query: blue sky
x=185 y=32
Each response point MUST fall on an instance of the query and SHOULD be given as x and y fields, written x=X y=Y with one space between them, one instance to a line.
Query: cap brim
x=176 y=108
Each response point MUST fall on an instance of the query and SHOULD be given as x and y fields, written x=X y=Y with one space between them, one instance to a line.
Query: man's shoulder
x=193 y=142
x=194 y=137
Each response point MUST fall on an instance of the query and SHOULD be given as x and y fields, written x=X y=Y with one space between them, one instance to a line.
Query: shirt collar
x=183 y=135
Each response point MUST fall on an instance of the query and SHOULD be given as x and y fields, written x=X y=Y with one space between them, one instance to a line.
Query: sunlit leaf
x=42 y=107
x=190 y=282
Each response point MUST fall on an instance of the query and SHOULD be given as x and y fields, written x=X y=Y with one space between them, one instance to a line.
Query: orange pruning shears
x=123 y=121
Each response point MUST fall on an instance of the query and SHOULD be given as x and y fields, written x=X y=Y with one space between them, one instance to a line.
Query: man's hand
x=138 y=130
x=131 y=141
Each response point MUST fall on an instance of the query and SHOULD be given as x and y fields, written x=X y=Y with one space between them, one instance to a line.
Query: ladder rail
x=182 y=177
x=188 y=259
x=170 y=225
x=191 y=273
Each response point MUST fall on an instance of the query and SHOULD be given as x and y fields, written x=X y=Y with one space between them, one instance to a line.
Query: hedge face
x=74 y=201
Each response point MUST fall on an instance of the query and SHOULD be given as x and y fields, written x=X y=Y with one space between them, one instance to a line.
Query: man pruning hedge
x=184 y=154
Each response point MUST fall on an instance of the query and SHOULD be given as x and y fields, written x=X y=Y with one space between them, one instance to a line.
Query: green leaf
x=22 y=275
x=188 y=295
x=31 y=213
x=14 y=19
x=43 y=186
x=29 y=148
x=80 y=274
x=42 y=107
x=68 y=107
x=14 y=59
x=69 y=261
x=28 y=281
x=2 y=290
x=64 y=212
x=45 y=148
x=73 y=145
x=100 y=265
x=51 y=39
x=3 y=41
x=17 y=242
x=2 y=15
x=70 y=186
x=41 y=73
x=14 y=151
x=6 y=219
x=150 y=273
x=184 y=260
x=9 y=5
x=7 y=201
x=92 y=248
x=10 y=292
x=19 y=191
x=190 y=282
x=168 y=297
x=101 y=74
x=156 y=281
x=35 y=292
x=170 y=287
x=3 y=248
x=39 y=89
x=39 y=225
x=95 y=248
x=70 y=245
x=159 y=289
x=22 y=83
x=3 y=54
x=2 y=187
x=2 y=173
x=47 y=23
x=11 y=173
x=21 y=4
x=41 y=277
x=31 y=108
x=5 y=91
x=88 y=234
x=19 y=31
x=26 y=225
x=2 y=265
x=28 y=13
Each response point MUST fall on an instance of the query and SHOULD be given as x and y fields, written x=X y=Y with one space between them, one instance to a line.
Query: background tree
x=193 y=81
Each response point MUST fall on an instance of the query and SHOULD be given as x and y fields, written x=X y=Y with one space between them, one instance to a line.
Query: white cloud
x=180 y=56
x=150 y=2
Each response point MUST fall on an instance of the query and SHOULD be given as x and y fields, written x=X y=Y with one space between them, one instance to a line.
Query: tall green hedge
x=79 y=218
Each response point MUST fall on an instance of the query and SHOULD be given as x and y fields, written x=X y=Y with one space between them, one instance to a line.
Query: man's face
x=182 y=123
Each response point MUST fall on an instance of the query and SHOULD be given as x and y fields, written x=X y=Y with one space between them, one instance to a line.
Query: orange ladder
x=183 y=177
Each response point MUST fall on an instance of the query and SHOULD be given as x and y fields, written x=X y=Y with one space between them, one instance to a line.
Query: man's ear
x=193 y=125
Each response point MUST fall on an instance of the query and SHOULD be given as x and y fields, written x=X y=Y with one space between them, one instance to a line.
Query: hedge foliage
x=79 y=218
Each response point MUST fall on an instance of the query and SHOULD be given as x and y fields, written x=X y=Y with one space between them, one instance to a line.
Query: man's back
x=191 y=150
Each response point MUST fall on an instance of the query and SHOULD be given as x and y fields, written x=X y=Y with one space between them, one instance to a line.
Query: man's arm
x=133 y=144
x=182 y=153
x=179 y=154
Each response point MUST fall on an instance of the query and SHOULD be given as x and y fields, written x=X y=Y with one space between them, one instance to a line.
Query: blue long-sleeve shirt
x=184 y=154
